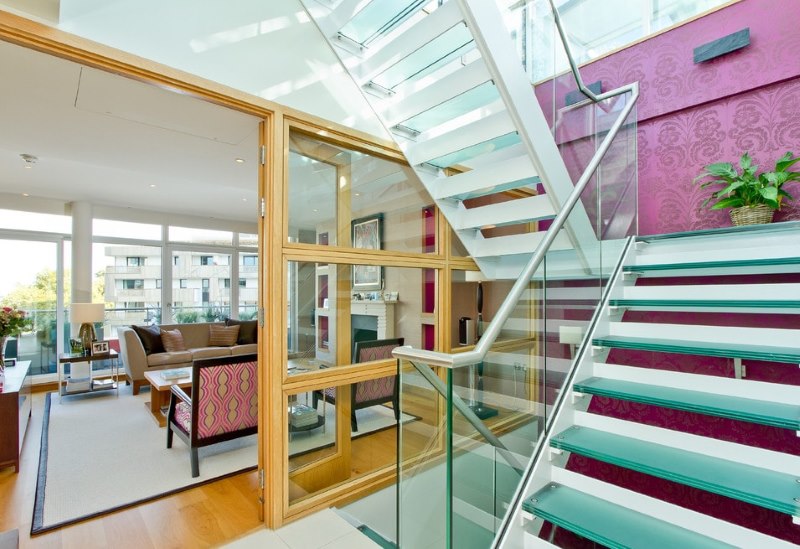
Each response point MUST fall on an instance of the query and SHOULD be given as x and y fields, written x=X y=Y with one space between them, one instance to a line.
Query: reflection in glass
x=326 y=178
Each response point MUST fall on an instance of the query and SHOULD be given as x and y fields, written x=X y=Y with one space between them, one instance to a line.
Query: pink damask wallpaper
x=691 y=114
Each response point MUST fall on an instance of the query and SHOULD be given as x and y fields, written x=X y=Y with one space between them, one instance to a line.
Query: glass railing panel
x=618 y=171
x=379 y=18
x=422 y=479
x=435 y=54
x=468 y=101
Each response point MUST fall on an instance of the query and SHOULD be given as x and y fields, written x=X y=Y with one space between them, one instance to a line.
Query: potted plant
x=753 y=197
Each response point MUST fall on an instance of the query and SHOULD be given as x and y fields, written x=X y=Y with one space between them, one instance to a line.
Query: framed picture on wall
x=368 y=235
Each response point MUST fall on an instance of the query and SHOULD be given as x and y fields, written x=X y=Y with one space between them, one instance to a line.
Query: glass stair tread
x=760 y=262
x=770 y=227
x=379 y=18
x=453 y=108
x=743 y=303
x=435 y=54
x=609 y=524
x=754 y=485
x=476 y=150
x=730 y=350
x=743 y=409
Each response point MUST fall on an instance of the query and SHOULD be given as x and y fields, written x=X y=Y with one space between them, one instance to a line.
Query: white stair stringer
x=506 y=115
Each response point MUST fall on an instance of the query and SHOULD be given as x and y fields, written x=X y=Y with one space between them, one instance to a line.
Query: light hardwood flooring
x=206 y=516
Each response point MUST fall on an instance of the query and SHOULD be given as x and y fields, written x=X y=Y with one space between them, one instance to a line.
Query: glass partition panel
x=329 y=444
x=326 y=316
x=597 y=27
x=422 y=471
x=382 y=201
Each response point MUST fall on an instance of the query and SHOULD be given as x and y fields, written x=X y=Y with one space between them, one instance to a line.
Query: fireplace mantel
x=382 y=310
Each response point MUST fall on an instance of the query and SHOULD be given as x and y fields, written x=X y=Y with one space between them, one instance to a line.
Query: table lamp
x=87 y=314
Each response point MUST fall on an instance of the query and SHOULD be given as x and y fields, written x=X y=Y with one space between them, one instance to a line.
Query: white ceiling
x=106 y=139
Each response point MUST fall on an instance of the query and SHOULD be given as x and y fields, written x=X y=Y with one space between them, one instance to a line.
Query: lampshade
x=87 y=312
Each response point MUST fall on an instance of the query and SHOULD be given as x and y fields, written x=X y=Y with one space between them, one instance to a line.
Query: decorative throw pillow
x=173 y=340
x=248 y=330
x=151 y=338
x=222 y=336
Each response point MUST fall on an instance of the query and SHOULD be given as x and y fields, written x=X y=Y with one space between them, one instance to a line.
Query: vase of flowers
x=13 y=321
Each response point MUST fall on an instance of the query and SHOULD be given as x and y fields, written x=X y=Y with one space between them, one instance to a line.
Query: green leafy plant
x=748 y=187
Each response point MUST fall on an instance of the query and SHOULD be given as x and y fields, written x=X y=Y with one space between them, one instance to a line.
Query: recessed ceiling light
x=28 y=166
x=29 y=159
x=358 y=194
x=316 y=210
x=152 y=185
x=25 y=194
x=244 y=200
x=239 y=160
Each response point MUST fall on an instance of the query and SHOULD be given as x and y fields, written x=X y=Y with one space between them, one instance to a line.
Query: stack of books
x=174 y=374
x=301 y=415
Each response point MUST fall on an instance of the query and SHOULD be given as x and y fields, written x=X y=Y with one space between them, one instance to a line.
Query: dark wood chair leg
x=195 y=463
x=169 y=435
x=353 y=422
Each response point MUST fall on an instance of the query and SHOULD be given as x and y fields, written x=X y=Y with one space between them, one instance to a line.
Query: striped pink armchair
x=223 y=405
x=372 y=391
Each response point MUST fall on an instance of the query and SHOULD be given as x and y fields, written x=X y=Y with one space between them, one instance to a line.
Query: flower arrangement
x=13 y=321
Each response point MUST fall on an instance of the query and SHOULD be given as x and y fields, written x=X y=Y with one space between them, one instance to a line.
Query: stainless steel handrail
x=478 y=353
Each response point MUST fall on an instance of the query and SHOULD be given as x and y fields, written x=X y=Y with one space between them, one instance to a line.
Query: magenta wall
x=692 y=115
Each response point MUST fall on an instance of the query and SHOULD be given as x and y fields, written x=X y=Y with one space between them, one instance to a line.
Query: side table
x=72 y=385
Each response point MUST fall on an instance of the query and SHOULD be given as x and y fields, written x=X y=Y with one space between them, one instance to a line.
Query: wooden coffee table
x=160 y=390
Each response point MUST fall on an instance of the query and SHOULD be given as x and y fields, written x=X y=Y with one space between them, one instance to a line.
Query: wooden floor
x=200 y=517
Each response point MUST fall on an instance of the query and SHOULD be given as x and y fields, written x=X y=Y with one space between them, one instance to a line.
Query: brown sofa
x=136 y=360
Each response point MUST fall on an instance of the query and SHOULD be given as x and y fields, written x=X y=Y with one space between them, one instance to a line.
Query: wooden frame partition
x=340 y=257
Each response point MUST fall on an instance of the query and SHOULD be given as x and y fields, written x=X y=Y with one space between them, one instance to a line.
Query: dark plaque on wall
x=721 y=46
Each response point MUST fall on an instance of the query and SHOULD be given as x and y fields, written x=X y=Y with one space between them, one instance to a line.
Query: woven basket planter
x=755 y=215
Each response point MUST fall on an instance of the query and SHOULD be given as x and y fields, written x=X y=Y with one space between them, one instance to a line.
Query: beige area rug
x=370 y=420
x=102 y=452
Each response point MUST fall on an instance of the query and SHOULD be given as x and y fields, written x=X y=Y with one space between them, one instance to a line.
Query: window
x=133 y=304
x=134 y=261
x=250 y=260
x=184 y=283
x=207 y=260
x=176 y=260
x=225 y=282
x=243 y=283
x=158 y=283
x=132 y=284
x=206 y=283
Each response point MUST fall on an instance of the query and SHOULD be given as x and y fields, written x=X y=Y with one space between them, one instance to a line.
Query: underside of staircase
x=447 y=84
